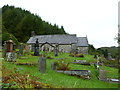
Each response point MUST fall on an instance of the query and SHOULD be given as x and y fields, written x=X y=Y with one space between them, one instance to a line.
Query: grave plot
x=74 y=74
x=84 y=74
x=62 y=67
x=81 y=62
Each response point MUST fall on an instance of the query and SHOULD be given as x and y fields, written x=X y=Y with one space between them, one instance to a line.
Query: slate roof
x=82 y=41
x=59 y=39
x=56 y=39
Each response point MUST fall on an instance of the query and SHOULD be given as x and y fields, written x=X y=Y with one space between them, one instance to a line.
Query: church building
x=65 y=43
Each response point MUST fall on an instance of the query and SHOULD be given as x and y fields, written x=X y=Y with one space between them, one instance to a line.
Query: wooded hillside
x=20 y=23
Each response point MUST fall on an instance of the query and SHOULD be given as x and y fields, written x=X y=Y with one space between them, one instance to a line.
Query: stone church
x=64 y=43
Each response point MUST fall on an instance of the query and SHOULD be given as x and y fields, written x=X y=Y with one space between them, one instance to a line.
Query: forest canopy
x=20 y=23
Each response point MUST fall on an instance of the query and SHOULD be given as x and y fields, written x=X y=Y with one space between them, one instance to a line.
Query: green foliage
x=6 y=36
x=21 y=23
x=14 y=79
x=77 y=55
x=91 y=49
x=113 y=50
x=62 y=65
x=59 y=80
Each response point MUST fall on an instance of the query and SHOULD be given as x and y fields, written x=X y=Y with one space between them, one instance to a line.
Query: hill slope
x=21 y=22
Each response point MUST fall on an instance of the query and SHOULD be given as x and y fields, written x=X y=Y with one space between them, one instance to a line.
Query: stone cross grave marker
x=36 y=48
x=42 y=64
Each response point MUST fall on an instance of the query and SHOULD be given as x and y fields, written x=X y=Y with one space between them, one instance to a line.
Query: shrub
x=49 y=57
x=62 y=65
x=17 y=80
x=77 y=55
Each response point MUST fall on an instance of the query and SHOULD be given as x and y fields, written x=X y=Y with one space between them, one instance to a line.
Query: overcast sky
x=98 y=19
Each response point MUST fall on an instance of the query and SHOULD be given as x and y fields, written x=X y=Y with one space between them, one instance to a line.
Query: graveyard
x=44 y=69
x=36 y=54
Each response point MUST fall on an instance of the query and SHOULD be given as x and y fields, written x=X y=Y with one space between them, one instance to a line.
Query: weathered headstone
x=36 y=52
x=10 y=55
x=44 y=49
x=95 y=56
x=9 y=46
x=56 y=50
x=42 y=64
x=26 y=48
x=102 y=75
x=54 y=66
x=20 y=53
x=109 y=56
x=97 y=65
x=61 y=51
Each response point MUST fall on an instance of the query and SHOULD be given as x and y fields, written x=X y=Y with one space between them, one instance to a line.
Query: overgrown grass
x=60 y=80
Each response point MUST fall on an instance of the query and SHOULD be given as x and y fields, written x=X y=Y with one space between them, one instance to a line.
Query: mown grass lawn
x=59 y=80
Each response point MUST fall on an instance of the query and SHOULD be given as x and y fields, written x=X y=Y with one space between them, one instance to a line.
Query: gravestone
x=97 y=65
x=95 y=56
x=9 y=46
x=44 y=49
x=27 y=49
x=56 y=50
x=10 y=55
x=109 y=56
x=36 y=46
x=54 y=66
x=102 y=75
x=42 y=64
x=20 y=53
x=61 y=51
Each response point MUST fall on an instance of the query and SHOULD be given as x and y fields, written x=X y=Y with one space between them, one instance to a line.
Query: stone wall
x=83 y=50
x=66 y=48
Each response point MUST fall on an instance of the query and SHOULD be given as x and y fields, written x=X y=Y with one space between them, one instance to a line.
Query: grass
x=59 y=80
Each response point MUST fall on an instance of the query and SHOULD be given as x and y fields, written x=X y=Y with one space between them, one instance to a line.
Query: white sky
x=98 y=19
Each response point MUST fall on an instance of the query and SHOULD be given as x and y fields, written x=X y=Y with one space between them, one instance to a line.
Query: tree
x=21 y=22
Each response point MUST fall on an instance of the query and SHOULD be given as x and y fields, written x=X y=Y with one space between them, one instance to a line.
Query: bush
x=49 y=57
x=6 y=36
x=62 y=65
x=18 y=80
x=77 y=55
